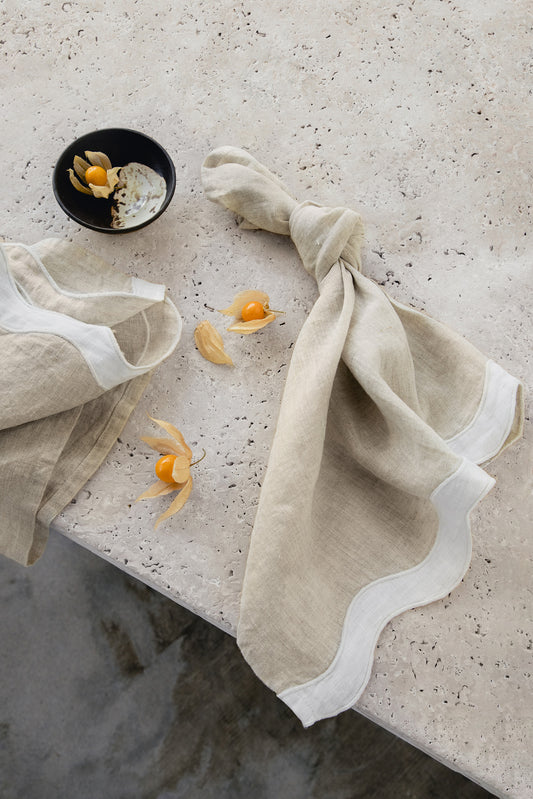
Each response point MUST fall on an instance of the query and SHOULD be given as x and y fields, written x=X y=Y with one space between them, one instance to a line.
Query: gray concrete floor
x=108 y=690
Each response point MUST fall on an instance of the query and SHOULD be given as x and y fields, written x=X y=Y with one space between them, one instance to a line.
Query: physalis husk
x=178 y=477
x=210 y=344
x=247 y=314
x=81 y=167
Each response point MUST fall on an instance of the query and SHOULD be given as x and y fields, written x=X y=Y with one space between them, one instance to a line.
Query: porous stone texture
x=414 y=114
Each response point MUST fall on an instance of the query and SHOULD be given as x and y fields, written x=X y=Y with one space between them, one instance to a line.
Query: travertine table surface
x=416 y=115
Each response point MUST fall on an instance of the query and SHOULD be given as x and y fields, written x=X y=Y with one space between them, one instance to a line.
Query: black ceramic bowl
x=123 y=146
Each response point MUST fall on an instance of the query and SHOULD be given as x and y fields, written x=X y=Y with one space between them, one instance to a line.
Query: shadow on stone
x=109 y=689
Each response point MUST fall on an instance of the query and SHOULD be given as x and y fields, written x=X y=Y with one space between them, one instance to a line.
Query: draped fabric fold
x=391 y=413
x=78 y=341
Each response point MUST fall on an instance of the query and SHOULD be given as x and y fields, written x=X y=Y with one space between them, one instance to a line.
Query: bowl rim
x=171 y=185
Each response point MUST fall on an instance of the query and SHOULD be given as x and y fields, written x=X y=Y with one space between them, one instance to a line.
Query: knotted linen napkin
x=364 y=507
x=78 y=340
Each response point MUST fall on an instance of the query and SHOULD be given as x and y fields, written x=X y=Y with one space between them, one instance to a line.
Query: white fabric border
x=96 y=343
x=341 y=685
x=484 y=437
x=139 y=287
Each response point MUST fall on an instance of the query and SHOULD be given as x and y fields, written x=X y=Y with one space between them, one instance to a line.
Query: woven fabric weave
x=78 y=341
x=391 y=414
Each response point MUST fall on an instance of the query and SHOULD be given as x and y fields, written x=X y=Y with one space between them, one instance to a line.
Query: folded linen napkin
x=78 y=341
x=389 y=412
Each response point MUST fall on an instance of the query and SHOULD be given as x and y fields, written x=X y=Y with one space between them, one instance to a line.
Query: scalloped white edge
x=96 y=343
x=486 y=434
x=340 y=686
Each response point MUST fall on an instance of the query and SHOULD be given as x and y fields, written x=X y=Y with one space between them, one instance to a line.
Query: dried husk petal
x=98 y=159
x=159 y=489
x=210 y=344
x=252 y=325
x=76 y=183
x=243 y=298
x=177 y=503
x=181 y=471
x=175 y=433
x=165 y=446
x=80 y=166
x=182 y=480
x=101 y=192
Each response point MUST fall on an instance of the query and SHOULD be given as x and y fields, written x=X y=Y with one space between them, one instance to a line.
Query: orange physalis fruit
x=96 y=175
x=173 y=469
x=252 y=310
x=164 y=467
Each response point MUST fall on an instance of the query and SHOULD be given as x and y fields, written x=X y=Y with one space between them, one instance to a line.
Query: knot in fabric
x=236 y=180
x=324 y=235
x=373 y=469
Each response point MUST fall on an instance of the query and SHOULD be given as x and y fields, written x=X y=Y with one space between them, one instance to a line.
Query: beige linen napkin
x=78 y=341
x=372 y=474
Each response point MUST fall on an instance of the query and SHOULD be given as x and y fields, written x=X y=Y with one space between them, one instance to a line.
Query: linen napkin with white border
x=78 y=341
x=391 y=414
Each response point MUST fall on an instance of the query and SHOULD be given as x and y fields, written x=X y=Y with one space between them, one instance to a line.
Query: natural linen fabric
x=78 y=341
x=364 y=507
